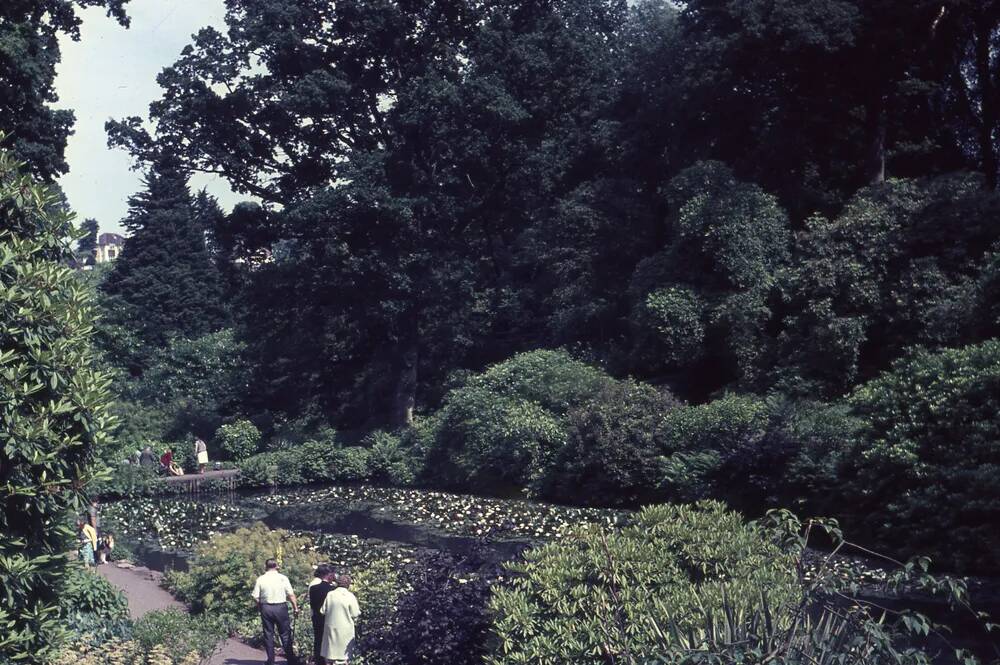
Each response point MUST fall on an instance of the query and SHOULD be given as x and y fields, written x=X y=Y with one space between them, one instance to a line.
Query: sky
x=111 y=73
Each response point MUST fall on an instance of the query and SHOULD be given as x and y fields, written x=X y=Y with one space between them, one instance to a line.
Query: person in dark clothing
x=317 y=596
x=147 y=459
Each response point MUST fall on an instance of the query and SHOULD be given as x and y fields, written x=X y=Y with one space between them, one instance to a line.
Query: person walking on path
x=317 y=597
x=273 y=592
x=88 y=542
x=201 y=452
x=341 y=610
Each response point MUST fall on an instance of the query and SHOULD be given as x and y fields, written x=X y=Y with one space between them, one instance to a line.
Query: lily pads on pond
x=456 y=514
x=171 y=524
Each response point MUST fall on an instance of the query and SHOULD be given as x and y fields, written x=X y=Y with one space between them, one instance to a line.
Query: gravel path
x=141 y=587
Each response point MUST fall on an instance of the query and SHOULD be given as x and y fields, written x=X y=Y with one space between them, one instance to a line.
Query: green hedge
x=381 y=458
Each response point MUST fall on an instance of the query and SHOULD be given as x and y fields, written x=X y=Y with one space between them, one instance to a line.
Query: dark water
x=155 y=558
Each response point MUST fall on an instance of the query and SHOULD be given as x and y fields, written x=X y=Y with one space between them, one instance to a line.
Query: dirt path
x=141 y=587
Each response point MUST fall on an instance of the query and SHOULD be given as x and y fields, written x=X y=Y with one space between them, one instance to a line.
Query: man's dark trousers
x=318 y=625
x=275 y=618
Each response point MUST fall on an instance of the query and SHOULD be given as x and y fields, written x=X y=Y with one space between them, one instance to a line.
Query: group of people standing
x=165 y=464
x=334 y=611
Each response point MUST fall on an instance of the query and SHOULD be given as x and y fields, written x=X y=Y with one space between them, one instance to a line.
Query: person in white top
x=341 y=610
x=273 y=592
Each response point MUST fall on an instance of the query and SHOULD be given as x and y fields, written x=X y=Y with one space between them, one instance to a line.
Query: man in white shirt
x=273 y=592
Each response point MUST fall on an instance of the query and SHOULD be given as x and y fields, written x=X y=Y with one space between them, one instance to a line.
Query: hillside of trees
x=594 y=252
x=754 y=239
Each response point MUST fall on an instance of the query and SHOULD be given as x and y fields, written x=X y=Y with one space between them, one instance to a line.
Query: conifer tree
x=87 y=245
x=165 y=284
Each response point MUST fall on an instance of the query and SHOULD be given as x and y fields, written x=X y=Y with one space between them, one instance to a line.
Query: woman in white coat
x=340 y=609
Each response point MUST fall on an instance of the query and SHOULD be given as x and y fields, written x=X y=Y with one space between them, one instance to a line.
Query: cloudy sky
x=111 y=73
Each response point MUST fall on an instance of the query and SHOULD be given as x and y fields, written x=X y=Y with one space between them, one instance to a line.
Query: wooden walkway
x=227 y=477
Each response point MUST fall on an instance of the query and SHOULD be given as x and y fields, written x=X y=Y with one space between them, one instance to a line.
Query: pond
x=352 y=524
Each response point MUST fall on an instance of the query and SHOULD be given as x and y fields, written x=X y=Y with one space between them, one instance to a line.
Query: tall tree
x=165 y=283
x=966 y=36
x=86 y=246
x=753 y=97
x=29 y=53
x=280 y=102
x=431 y=135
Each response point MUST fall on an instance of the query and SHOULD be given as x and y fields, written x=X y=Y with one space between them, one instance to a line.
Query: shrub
x=505 y=425
x=484 y=436
x=700 y=442
x=814 y=624
x=930 y=461
x=315 y=460
x=389 y=461
x=54 y=413
x=92 y=608
x=444 y=618
x=239 y=440
x=126 y=480
x=674 y=315
x=378 y=588
x=349 y=464
x=550 y=378
x=281 y=467
x=178 y=634
x=823 y=441
x=598 y=595
x=612 y=448
x=224 y=569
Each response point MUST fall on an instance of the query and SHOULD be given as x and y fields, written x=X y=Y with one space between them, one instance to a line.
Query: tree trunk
x=875 y=122
x=405 y=398
x=987 y=128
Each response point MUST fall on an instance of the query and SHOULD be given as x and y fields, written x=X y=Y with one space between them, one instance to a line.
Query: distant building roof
x=106 y=239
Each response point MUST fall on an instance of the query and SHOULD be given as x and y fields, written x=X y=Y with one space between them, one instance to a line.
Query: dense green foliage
x=226 y=566
x=673 y=565
x=612 y=447
x=444 y=617
x=178 y=634
x=603 y=252
x=92 y=608
x=930 y=457
x=87 y=245
x=696 y=585
x=239 y=440
x=53 y=410
x=165 y=284
x=509 y=422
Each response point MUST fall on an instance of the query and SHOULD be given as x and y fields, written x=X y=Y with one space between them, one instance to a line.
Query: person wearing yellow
x=88 y=542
